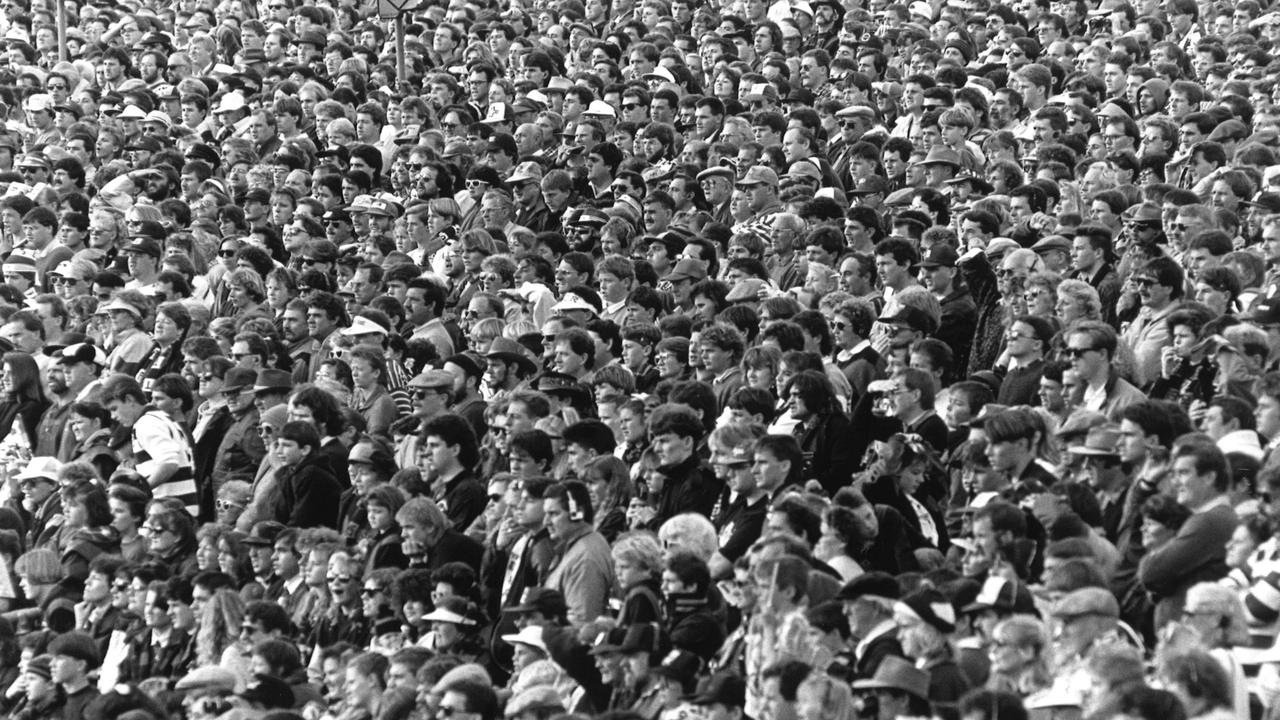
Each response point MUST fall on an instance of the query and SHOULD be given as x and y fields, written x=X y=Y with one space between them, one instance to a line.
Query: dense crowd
x=814 y=360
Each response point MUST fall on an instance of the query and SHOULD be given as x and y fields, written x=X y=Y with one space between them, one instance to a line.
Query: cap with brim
x=1101 y=441
x=687 y=269
x=208 y=679
x=122 y=306
x=1268 y=202
x=41 y=468
x=82 y=353
x=871 y=186
x=448 y=616
x=680 y=665
x=144 y=244
x=132 y=112
x=980 y=184
x=1051 y=243
x=722 y=171
x=433 y=378
x=722 y=688
x=746 y=290
x=363 y=326
x=509 y=351
x=530 y=635
x=896 y=673
x=942 y=156
x=660 y=74
x=759 y=175
x=1264 y=313
x=53 y=348
x=271 y=380
x=1087 y=601
x=72 y=269
x=997 y=594
x=572 y=301
x=940 y=255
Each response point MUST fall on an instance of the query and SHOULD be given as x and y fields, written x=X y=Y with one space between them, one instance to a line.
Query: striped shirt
x=158 y=440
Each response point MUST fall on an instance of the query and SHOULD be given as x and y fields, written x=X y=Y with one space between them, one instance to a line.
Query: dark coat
x=310 y=494
x=828 y=456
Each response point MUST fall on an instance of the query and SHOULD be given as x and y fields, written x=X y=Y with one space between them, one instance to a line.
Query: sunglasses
x=223 y=505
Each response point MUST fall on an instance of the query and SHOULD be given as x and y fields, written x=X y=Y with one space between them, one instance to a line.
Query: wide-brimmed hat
x=896 y=673
x=510 y=351
x=1101 y=441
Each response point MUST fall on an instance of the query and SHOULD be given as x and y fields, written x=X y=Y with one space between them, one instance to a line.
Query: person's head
x=566 y=507
x=1200 y=470
x=1198 y=679
x=469 y=700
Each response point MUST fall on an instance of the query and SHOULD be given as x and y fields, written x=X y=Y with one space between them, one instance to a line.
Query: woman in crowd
x=1019 y=654
x=24 y=401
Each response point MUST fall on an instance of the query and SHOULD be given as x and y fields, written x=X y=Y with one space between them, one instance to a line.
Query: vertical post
x=401 y=73
x=61 y=16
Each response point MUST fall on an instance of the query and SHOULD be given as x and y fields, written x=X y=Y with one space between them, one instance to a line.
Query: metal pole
x=61 y=16
x=401 y=74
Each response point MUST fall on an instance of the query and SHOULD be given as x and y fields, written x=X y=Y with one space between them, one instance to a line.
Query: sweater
x=1196 y=554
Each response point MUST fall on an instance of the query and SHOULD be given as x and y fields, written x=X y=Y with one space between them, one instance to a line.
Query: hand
x=1169 y=362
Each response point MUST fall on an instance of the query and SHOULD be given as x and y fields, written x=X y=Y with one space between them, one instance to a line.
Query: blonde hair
x=1225 y=602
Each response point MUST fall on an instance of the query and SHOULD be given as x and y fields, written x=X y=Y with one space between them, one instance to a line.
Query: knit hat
x=930 y=607
x=41 y=665
x=77 y=645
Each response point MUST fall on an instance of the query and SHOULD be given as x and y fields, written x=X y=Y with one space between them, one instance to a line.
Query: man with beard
x=242 y=448
x=73 y=370
x=509 y=368
x=297 y=338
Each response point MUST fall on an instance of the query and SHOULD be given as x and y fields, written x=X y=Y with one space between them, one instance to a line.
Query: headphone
x=575 y=512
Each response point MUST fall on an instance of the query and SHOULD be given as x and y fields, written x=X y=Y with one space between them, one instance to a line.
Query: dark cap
x=238 y=379
x=871 y=185
x=144 y=244
x=875 y=584
x=271 y=379
x=912 y=317
x=722 y=688
x=268 y=691
x=145 y=142
x=609 y=642
x=264 y=533
x=77 y=645
x=940 y=255
x=547 y=601
x=258 y=195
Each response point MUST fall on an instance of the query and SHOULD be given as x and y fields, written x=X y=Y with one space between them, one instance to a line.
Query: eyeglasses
x=222 y=505
x=447 y=712
x=343 y=579
x=370 y=592
x=1077 y=352
x=64 y=281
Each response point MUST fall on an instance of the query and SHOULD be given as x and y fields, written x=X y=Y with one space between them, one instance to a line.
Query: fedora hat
x=510 y=351
x=1101 y=441
x=895 y=673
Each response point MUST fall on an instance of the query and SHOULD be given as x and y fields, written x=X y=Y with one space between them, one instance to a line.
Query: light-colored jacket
x=583 y=571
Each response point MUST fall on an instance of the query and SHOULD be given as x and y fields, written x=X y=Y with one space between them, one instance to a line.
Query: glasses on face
x=1077 y=352
x=224 y=505
x=370 y=592
x=341 y=579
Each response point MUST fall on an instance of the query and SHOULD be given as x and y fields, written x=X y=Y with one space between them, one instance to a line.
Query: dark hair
x=575 y=498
